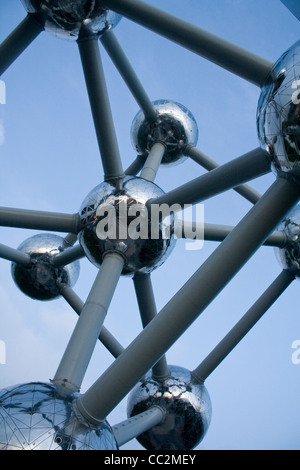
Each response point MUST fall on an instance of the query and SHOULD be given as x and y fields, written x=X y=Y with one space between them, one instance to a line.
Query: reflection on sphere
x=175 y=127
x=187 y=406
x=289 y=256
x=67 y=18
x=278 y=114
x=124 y=198
x=41 y=280
x=35 y=416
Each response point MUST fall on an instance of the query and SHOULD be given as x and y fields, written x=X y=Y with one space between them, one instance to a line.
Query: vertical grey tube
x=76 y=358
x=189 y=302
x=100 y=106
x=239 y=331
x=153 y=162
x=147 y=306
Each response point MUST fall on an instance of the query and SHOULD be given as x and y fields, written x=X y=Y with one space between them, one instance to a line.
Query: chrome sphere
x=114 y=217
x=175 y=127
x=278 y=113
x=67 y=18
x=35 y=416
x=187 y=406
x=40 y=280
x=289 y=256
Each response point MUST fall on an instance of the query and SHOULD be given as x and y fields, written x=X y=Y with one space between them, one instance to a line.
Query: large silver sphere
x=67 y=18
x=175 y=127
x=289 y=256
x=122 y=199
x=278 y=113
x=41 y=279
x=187 y=406
x=35 y=416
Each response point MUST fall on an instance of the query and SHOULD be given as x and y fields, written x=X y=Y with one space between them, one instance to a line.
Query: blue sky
x=50 y=161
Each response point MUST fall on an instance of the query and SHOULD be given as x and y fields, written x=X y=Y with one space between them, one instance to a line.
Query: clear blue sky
x=50 y=161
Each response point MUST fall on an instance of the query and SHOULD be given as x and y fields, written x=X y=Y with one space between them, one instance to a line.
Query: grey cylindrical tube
x=76 y=358
x=16 y=43
x=193 y=298
x=239 y=331
x=237 y=60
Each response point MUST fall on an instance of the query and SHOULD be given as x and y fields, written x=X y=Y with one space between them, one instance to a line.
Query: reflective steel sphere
x=35 y=416
x=175 y=127
x=114 y=217
x=67 y=18
x=278 y=114
x=289 y=256
x=40 y=280
x=187 y=405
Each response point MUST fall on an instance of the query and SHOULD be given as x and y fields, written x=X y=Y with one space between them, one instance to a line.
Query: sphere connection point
x=187 y=406
x=175 y=126
x=41 y=279
x=278 y=113
x=289 y=256
x=68 y=18
x=35 y=416
x=114 y=217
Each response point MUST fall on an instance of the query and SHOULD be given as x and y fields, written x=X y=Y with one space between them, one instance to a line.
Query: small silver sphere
x=35 y=416
x=175 y=127
x=67 y=18
x=289 y=256
x=186 y=403
x=278 y=113
x=114 y=217
x=41 y=279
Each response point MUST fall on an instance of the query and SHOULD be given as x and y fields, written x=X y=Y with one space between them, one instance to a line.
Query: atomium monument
x=117 y=229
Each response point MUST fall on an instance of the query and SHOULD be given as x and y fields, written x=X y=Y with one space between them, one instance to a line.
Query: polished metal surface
x=278 y=113
x=35 y=416
x=67 y=18
x=289 y=256
x=175 y=127
x=41 y=279
x=124 y=200
x=187 y=406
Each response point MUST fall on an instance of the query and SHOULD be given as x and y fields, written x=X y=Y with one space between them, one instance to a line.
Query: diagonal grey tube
x=68 y=255
x=100 y=106
x=239 y=331
x=106 y=338
x=16 y=43
x=39 y=220
x=193 y=298
x=239 y=61
x=74 y=363
x=199 y=157
x=133 y=427
x=15 y=256
x=218 y=233
x=128 y=74
x=247 y=167
x=135 y=166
